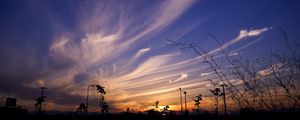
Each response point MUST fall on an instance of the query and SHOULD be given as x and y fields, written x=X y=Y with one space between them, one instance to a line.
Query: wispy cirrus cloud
x=182 y=77
x=242 y=35
x=140 y=53
x=109 y=45
x=148 y=76
x=103 y=44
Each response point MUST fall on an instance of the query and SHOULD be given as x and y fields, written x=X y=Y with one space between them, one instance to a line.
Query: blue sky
x=123 y=45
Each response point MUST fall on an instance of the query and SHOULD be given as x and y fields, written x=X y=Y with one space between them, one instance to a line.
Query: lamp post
x=181 y=101
x=185 y=101
x=87 y=97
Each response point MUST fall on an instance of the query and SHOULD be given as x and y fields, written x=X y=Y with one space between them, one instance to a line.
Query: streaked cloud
x=136 y=79
x=111 y=44
x=206 y=74
x=182 y=77
x=140 y=53
x=242 y=35
x=268 y=71
x=100 y=48
x=256 y=32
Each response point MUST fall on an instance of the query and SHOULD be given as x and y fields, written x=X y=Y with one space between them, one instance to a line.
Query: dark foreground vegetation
x=245 y=114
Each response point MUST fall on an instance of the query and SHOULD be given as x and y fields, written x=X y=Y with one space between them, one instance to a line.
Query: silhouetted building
x=11 y=102
x=11 y=110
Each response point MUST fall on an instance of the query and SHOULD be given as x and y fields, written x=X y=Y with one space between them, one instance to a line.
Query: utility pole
x=181 y=101
x=224 y=97
x=42 y=96
x=185 y=101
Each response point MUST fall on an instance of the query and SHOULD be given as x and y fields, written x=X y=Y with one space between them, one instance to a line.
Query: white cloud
x=167 y=12
x=243 y=34
x=206 y=74
x=182 y=77
x=150 y=65
x=257 y=32
x=268 y=71
x=96 y=38
x=236 y=82
x=233 y=54
x=59 y=43
x=140 y=53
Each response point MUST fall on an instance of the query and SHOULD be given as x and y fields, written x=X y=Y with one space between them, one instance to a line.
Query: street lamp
x=185 y=107
x=87 y=96
x=181 y=101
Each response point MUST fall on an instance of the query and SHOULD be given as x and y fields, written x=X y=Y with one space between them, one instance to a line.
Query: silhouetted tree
x=104 y=107
x=267 y=83
x=156 y=104
x=165 y=109
x=197 y=100
x=39 y=103
x=128 y=110
x=100 y=89
x=210 y=59
x=216 y=93
x=82 y=108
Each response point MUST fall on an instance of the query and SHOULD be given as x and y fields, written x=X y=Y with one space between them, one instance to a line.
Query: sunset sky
x=66 y=45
